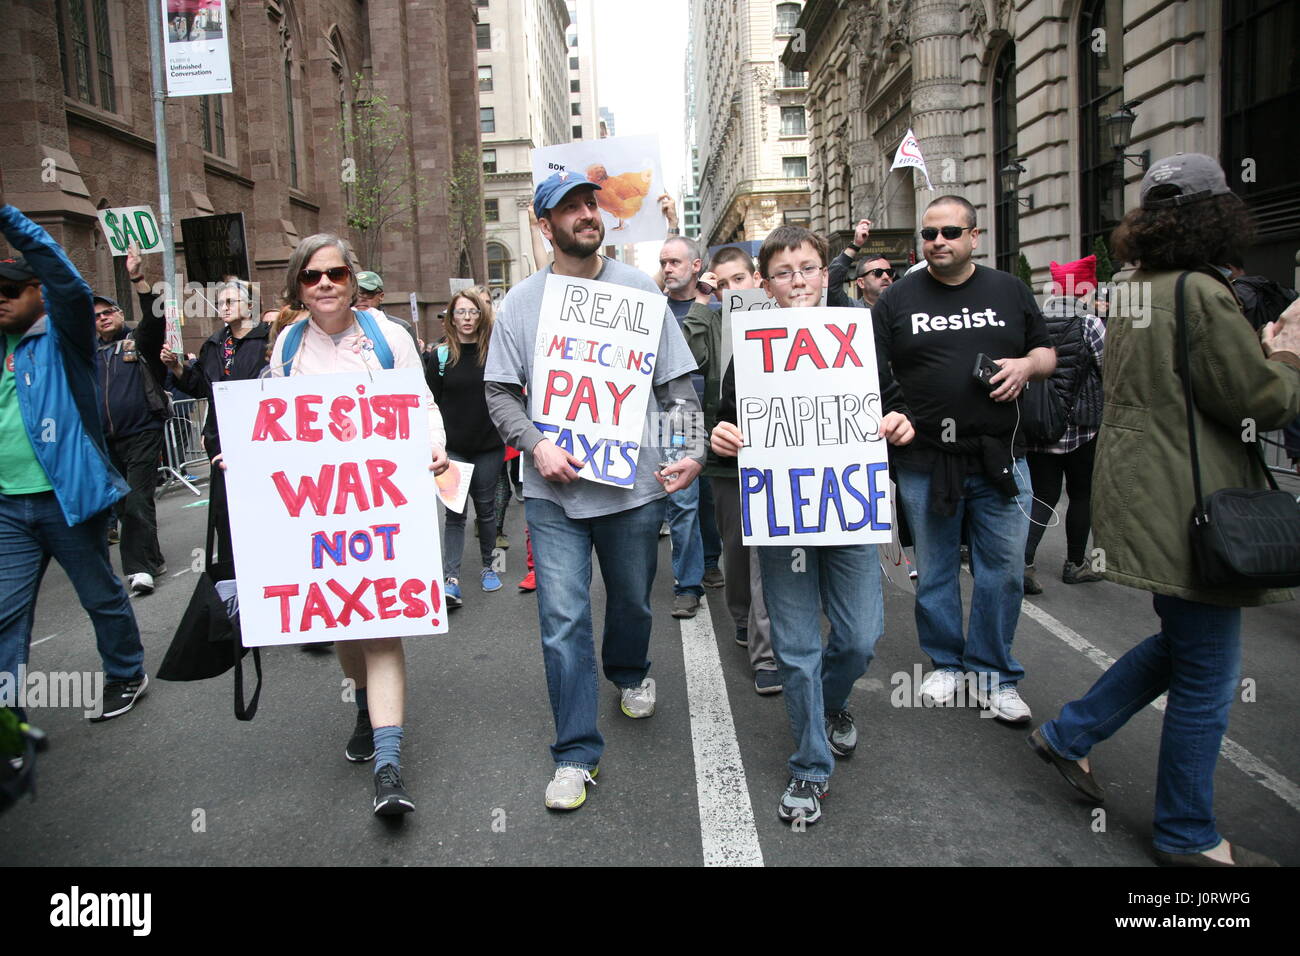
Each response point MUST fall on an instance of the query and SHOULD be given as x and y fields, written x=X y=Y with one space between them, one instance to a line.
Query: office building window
x=575 y=86
x=787 y=15
x=793 y=78
x=483 y=36
x=498 y=263
x=575 y=109
x=489 y=160
x=86 y=52
x=491 y=210
x=487 y=119
x=795 y=167
x=577 y=132
x=1101 y=92
x=1006 y=211
x=212 y=111
x=485 y=79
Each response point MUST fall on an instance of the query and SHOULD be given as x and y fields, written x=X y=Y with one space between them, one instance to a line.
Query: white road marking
x=44 y=639
x=726 y=816
x=1233 y=752
x=182 y=571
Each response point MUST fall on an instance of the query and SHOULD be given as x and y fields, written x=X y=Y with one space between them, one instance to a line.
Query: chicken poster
x=814 y=469
x=627 y=170
x=593 y=373
x=332 y=512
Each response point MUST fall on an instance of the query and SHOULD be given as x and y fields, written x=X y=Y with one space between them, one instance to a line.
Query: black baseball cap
x=16 y=270
x=106 y=300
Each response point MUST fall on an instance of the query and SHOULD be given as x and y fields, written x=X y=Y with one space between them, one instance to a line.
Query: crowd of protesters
x=966 y=475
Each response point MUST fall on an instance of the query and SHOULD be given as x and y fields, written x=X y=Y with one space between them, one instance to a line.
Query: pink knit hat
x=1075 y=278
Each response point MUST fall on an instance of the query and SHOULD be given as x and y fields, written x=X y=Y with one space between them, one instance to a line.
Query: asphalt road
x=178 y=781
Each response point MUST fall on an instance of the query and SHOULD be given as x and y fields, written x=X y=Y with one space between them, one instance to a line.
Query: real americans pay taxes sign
x=593 y=373
x=332 y=512
x=814 y=469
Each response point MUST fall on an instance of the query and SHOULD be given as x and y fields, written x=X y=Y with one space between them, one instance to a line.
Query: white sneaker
x=939 y=687
x=639 y=701
x=141 y=583
x=1006 y=704
x=568 y=789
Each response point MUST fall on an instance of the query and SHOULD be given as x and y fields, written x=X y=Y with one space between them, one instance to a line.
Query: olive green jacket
x=703 y=330
x=1142 y=495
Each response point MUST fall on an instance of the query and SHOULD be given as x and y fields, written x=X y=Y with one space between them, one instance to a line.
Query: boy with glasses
x=843 y=581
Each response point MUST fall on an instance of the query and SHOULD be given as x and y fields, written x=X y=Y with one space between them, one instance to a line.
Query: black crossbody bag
x=1242 y=538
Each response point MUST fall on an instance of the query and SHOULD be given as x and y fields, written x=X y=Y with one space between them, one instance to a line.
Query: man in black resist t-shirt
x=967 y=462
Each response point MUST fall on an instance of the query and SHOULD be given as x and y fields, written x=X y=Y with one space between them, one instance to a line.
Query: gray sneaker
x=685 y=604
x=802 y=800
x=638 y=702
x=568 y=788
x=841 y=733
x=1079 y=573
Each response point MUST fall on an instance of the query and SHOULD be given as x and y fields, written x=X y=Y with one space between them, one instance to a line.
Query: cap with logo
x=370 y=282
x=1181 y=179
x=16 y=269
x=555 y=187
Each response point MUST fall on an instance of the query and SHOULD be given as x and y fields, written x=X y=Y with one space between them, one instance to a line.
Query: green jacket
x=1142 y=494
x=703 y=330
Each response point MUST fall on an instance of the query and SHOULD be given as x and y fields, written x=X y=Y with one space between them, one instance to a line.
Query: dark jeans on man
x=1045 y=473
x=136 y=459
x=33 y=530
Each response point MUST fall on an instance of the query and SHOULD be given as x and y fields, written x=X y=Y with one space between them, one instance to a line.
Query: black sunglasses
x=12 y=290
x=313 y=276
x=876 y=272
x=930 y=233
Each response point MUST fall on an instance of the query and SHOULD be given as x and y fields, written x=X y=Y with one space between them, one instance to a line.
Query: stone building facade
x=80 y=133
x=524 y=104
x=984 y=83
x=750 y=119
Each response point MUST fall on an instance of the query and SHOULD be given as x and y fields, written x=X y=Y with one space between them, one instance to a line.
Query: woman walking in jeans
x=456 y=380
x=1188 y=220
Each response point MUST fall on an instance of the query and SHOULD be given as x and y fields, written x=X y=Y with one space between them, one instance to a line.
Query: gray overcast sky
x=640 y=55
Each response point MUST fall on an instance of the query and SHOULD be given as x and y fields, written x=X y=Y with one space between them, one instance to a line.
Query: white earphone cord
x=1056 y=518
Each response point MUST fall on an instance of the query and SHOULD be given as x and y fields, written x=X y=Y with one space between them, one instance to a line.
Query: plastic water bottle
x=675 y=434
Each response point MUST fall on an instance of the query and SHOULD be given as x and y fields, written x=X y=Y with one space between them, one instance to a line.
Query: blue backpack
x=293 y=338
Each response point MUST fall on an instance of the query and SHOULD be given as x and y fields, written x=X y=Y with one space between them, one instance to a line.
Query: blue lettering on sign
x=321 y=545
x=831 y=487
x=876 y=494
x=797 y=501
x=598 y=455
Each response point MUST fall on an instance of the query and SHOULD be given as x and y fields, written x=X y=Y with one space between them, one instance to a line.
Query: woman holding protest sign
x=333 y=338
x=456 y=379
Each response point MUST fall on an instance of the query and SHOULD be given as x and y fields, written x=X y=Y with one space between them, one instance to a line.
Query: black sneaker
x=802 y=800
x=1031 y=581
x=362 y=745
x=742 y=636
x=767 y=681
x=391 y=798
x=120 y=696
x=841 y=733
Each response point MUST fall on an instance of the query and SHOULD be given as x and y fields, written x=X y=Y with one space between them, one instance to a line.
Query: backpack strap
x=383 y=351
x=444 y=352
x=292 y=339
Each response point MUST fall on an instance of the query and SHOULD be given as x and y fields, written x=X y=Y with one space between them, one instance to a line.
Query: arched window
x=1101 y=92
x=498 y=263
x=1006 y=212
x=787 y=15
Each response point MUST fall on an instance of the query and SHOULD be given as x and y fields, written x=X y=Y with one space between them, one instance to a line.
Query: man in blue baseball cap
x=569 y=517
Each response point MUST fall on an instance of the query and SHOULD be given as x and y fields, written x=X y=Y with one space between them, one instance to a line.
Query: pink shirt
x=318 y=355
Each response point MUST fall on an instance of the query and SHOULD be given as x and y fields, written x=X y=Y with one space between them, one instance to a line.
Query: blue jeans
x=845 y=583
x=627 y=544
x=1196 y=657
x=688 y=547
x=710 y=534
x=33 y=530
x=999 y=527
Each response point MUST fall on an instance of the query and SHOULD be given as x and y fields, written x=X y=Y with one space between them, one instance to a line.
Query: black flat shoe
x=1074 y=775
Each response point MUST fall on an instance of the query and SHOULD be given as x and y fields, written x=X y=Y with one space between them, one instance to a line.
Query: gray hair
x=693 y=251
x=302 y=255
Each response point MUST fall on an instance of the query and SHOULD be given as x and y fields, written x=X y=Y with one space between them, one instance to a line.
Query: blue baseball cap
x=554 y=188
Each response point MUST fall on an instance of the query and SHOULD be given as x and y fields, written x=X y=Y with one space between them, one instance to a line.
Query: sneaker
x=141 y=583
x=742 y=636
x=391 y=798
x=490 y=580
x=841 y=733
x=114 y=535
x=568 y=788
x=638 y=702
x=939 y=687
x=452 y=593
x=1004 y=703
x=120 y=696
x=767 y=682
x=685 y=604
x=713 y=578
x=503 y=541
x=1031 y=581
x=664 y=530
x=529 y=583
x=1079 y=573
x=965 y=558
x=361 y=747
x=802 y=800
x=160 y=570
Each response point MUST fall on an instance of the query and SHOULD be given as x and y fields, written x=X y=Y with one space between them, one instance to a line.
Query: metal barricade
x=183 y=447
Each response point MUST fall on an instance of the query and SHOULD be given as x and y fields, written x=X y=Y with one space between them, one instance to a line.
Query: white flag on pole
x=909 y=154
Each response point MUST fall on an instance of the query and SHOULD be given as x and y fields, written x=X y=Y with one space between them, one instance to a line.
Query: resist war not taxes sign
x=814 y=469
x=332 y=507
